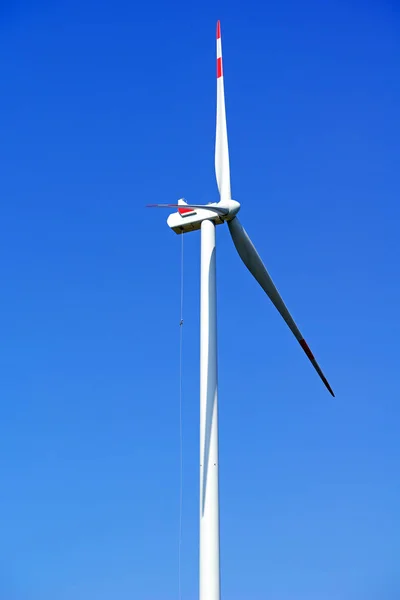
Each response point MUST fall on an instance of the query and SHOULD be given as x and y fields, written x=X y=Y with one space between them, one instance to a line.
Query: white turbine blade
x=221 y=140
x=253 y=262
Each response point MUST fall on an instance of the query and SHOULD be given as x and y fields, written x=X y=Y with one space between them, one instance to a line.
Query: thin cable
x=180 y=428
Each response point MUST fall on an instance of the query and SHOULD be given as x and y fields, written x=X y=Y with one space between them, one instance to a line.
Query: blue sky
x=105 y=107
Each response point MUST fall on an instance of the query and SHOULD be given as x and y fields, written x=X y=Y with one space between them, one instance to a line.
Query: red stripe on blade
x=219 y=68
x=218 y=30
x=306 y=349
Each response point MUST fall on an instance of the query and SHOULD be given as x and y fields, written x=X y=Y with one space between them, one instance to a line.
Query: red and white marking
x=219 y=51
x=183 y=211
x=306 y=349
x=222 y=170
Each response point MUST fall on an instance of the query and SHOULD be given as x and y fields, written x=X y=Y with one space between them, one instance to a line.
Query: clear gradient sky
x=105 y=107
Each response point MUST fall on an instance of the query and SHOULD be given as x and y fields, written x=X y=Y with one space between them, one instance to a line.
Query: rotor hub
x=233 y=206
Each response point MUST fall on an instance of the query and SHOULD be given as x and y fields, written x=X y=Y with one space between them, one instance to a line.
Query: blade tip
x=218 y=30
x=310 y=356
x=328 y=387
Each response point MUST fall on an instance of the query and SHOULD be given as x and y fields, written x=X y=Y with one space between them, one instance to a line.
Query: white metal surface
x=209 y=578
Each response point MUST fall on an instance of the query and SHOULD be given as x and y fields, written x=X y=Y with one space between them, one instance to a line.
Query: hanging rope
x=180 y=430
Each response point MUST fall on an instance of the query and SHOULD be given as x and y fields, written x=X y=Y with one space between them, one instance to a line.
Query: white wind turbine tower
x=190 y=217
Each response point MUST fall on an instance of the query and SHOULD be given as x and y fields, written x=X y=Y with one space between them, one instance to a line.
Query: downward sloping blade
x=253 y=262
x=221 y=140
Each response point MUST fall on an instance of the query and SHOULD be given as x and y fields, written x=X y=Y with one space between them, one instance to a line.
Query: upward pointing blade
x=253 y=262
x=221 y=140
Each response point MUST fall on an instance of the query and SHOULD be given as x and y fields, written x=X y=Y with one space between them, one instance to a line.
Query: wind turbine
x=190 y=217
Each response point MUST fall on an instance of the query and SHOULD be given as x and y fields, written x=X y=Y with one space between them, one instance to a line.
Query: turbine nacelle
x=189 y=217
